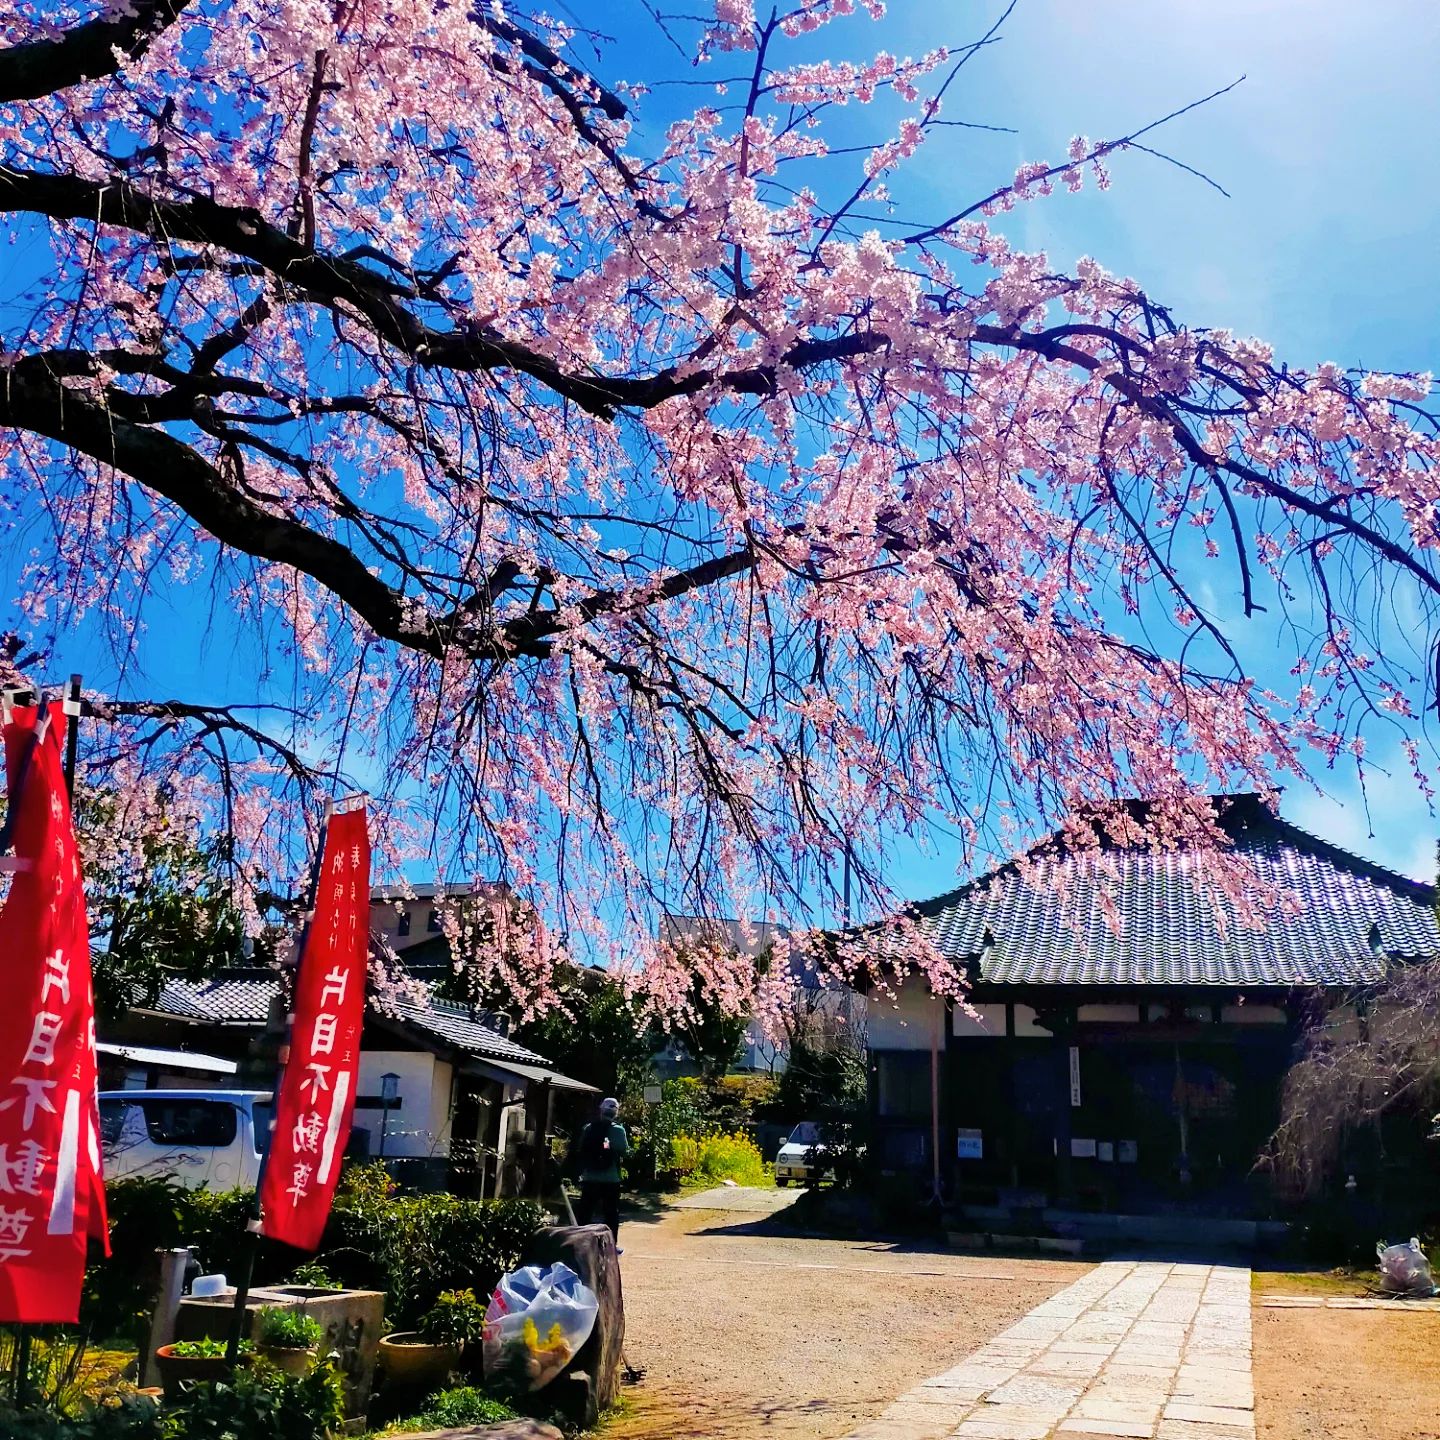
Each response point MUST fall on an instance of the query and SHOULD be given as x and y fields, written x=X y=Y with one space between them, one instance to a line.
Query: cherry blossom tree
x=651 y=519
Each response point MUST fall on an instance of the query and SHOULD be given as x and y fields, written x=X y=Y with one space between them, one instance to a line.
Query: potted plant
x=288 y=1339
x=427 y=1354
x=185 y=1360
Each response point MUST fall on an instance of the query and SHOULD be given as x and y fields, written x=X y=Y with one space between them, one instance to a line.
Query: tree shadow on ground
x=645 y=1208
x=684 y=1416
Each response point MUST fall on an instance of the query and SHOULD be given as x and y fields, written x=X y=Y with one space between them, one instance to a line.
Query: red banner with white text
x=317 y=1088
x=51 y=1191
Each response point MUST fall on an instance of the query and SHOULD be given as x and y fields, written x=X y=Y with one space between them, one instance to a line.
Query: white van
x=213 y=1138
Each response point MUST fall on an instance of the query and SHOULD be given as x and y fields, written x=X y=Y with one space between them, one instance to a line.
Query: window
x=403 y=928
x=432 y=924
x=190 y=1122
x=904 y=1083
x=261 y=1114
x=112 y=1122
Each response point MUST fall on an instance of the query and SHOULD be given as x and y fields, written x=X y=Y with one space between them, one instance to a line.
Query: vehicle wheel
x=781 y=1183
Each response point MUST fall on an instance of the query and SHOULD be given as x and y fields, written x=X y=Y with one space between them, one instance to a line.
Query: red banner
x=51 y=1191
x=317 y=1089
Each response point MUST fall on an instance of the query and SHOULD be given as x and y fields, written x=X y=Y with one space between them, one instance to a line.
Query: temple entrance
x=1175 y=1122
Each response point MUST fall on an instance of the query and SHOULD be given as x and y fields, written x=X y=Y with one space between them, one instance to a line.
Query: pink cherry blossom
x=643 y=522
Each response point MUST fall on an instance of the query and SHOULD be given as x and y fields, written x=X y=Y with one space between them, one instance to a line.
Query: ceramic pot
x=409 y=1360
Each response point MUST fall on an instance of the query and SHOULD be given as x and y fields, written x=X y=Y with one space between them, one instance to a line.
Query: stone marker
x=591 y=1382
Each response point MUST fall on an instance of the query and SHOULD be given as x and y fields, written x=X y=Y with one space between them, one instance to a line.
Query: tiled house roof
x=1352 y=916
x=243 y=996
x=455 y=1028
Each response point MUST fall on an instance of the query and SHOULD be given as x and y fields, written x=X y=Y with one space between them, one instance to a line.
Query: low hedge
x=413 y=1247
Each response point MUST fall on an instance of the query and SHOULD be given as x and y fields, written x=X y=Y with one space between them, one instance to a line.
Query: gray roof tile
x=1352 y=916
x=242 y=997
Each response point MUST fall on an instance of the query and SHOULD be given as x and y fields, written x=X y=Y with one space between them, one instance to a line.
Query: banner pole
x=73 y=710
x=251 y=1238
x=24 y=1337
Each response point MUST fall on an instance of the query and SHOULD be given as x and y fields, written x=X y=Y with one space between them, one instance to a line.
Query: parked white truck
x=213 y=1138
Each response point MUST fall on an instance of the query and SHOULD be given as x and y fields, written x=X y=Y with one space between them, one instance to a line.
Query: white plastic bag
x=535 y=1322
x=1404 y=1270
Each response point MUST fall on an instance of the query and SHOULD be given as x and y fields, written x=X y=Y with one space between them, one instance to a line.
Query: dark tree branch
x=36 y=68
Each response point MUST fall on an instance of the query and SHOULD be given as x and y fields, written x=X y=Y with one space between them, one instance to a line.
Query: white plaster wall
x=1109 y=1014
x=1253 y=1014
x=442 y=1093
x=905 y=1020
x=1026 y=1026
x=987 y=1020
x=417 y=1123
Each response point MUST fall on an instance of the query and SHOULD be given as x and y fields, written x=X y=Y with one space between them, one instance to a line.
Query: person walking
x=598 y=1151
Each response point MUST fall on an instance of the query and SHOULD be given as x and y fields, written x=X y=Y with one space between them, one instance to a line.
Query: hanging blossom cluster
x=643 y=528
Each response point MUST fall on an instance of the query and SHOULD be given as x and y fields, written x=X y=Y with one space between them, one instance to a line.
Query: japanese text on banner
x=317 y=1091
x=51 y=1192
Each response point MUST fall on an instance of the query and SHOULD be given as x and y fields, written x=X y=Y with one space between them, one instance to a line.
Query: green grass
x=451 y=1409
x=1342 y=1281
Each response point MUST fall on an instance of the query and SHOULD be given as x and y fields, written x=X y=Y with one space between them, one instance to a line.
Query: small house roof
x=160 y=1058
x=1352 y=917
x=243 y=997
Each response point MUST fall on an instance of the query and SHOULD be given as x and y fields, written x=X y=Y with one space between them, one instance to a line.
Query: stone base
x=522 y=1429
x=592 y=1382
x=351 y=1320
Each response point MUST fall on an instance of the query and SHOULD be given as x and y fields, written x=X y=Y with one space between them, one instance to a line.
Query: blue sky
x=1326 y=245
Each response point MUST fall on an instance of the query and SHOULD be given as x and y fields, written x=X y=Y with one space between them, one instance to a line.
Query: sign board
x=652 y=1094
x=969 y=1145
x=1128 y=1152
x=1105 y=1152
x=1082 y=1149
x=1074 y=1076
x=315 y=1099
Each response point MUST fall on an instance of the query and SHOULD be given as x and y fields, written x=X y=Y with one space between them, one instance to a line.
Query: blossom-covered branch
x=645 y=529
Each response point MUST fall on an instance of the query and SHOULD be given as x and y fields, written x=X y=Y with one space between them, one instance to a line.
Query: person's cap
x=610 y=1106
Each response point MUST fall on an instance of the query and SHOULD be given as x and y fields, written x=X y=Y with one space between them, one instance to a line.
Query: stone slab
x=1133 y=1351
x=521 y=1429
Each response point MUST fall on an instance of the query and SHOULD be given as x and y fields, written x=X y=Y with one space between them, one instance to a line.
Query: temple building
x=1133 y=1068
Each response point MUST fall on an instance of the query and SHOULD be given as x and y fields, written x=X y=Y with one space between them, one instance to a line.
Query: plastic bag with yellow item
x=536 y=1320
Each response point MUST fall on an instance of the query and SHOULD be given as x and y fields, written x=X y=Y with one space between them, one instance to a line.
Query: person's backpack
x=595 y=1146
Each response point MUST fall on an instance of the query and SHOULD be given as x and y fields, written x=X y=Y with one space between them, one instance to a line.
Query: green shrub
x=313 y=1276
x=684 y=1154
x=455 y=1318
x=440 y=1242
x=262 y=1404
x=132 y=1418
x=465 y=1405
x=732 y=1157
x=414 y=1247
x=216 y=1232
x=736 y=1100
x=146 y=1214
x=288 y=1329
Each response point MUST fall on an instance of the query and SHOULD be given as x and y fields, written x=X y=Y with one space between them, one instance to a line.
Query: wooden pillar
x=1065 y=1037
x=1012 y=1111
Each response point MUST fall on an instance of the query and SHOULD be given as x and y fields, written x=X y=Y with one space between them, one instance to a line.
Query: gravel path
x=1346 y=1374
x=745 y=1331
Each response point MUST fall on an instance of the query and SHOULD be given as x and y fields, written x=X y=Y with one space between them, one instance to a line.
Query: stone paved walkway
x=1139 y=1350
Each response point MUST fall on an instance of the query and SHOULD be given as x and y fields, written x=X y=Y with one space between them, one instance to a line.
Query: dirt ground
x=746 y=1332
x=1346 y=1375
